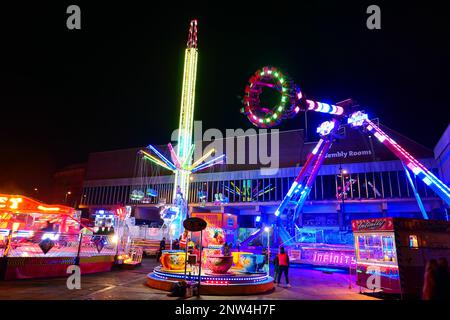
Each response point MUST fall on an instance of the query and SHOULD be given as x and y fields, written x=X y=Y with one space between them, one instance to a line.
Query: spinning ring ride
x=291 y=102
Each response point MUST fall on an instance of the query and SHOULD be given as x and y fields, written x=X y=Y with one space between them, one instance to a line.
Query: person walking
x=429 y=283
x=283 y=263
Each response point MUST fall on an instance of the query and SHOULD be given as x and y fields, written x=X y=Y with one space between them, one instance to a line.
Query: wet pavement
x=307 y=284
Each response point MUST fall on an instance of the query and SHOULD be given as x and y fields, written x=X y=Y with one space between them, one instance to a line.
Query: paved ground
x=130 y=284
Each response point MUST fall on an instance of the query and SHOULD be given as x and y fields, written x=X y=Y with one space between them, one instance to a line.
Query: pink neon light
x=311 y=104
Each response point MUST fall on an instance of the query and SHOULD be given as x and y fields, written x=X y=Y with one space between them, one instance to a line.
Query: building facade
x=374 y=179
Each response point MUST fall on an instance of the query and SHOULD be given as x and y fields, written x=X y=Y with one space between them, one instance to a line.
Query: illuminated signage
x=24 y=204
x=372 y=224
x=323 y=257
x=10 y=202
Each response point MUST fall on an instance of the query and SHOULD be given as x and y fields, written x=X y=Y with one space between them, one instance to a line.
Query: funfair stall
x=391 y=253
x=39 y=240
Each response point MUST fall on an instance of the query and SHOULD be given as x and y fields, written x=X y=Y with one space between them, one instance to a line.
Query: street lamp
x=68 y=193
x=267 y=230
x=343 y=172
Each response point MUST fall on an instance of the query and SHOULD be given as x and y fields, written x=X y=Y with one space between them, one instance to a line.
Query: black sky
x=116 y=83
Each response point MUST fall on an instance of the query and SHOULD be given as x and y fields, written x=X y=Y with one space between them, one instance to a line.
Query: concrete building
x=378 y=183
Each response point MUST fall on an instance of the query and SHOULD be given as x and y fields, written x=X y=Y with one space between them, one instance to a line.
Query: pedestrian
x=162 y=246
x=429 y=282
x=442 y=280
x=283 y=262
x=226 y=249
x=176 y=245
x=266 y=259
x=276 y=267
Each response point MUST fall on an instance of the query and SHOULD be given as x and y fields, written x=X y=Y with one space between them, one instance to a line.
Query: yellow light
x=15 y=203
x=114 y=239
x=155 y=160
x=48 y=208
x=15 y=226
x=200 y=160
x=185 y=127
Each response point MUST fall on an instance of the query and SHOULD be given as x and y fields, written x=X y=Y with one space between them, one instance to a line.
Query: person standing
x=283 y=265
x=162 y=246
x=442 y=280
x=429 y=282
x=276 y=269
x=176 y=245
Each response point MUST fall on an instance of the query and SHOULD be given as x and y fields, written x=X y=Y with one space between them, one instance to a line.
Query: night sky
x=116 y=83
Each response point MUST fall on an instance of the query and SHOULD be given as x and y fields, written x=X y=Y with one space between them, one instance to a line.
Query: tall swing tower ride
x=185 y=128
x=180 y=162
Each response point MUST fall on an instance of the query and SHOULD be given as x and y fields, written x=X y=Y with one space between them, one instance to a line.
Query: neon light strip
x=48 y=208
x=164 y=159
x=416 y=194
x=189 y=156
x=174 y=156
x=200 y=160
x=154 y=160
x=394 y=266
x=237 y=188
x=418 y=168
x=210 y=163
x=205 y=278
x=324 y=107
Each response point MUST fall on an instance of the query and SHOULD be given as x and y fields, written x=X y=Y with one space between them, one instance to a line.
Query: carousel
x=218 y=269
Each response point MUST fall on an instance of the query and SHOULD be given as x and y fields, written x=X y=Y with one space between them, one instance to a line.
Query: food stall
x=391 y=253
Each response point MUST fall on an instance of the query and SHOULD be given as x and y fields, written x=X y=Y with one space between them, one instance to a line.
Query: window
x=413 y=242
x=376 y=247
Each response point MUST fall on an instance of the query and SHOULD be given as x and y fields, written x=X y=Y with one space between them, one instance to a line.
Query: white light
x=325 y=107
x=258 y=218
x=266 y=229
x=379 y=137
x=51 y=236
x=357 y=119
x=325 y=128
x=294 y=185
x=427 y=181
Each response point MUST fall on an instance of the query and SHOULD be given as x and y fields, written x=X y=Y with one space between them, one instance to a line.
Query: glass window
x=413 y=242
x=376 y=247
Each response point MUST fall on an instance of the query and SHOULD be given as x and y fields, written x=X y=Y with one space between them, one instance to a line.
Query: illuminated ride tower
x=185 y=128
x=180 y=162
x=292 y=101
